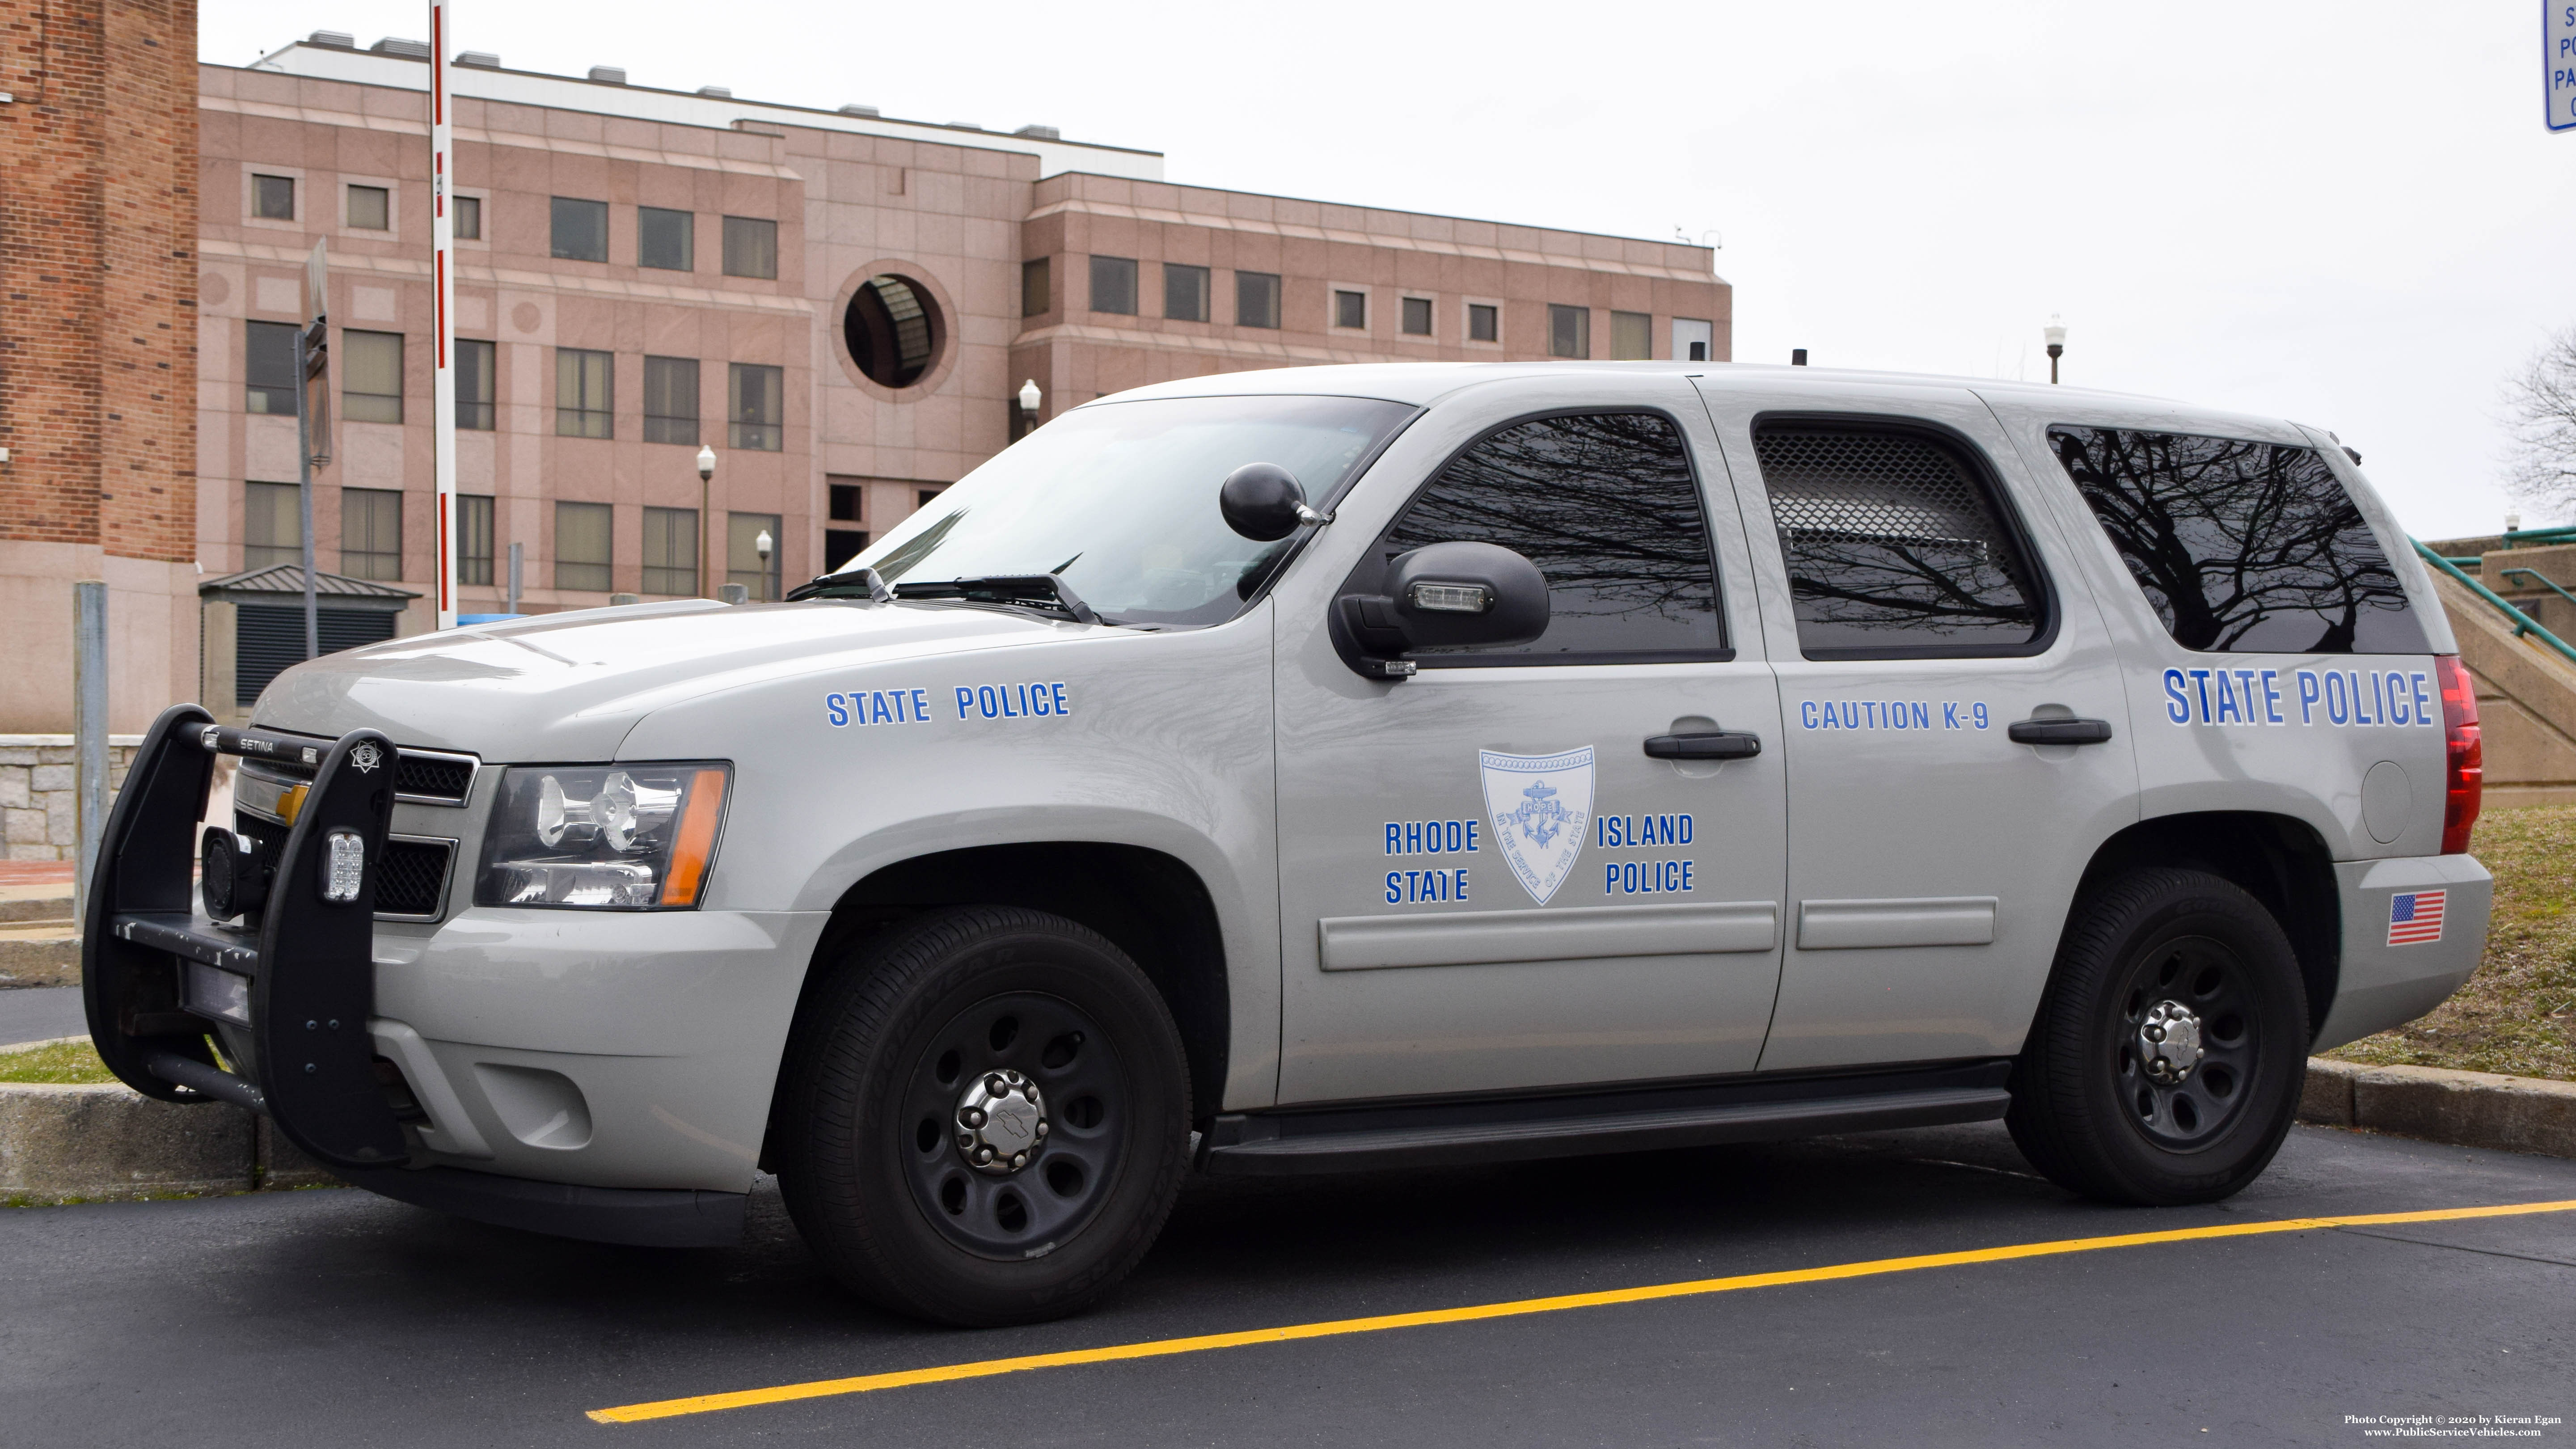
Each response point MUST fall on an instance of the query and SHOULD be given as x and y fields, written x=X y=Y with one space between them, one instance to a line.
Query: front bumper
x=600 y=1075
x=2383 y=984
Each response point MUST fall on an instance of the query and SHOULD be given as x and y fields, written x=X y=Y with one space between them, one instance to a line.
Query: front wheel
x=2166 y=1061
x=985 y=1117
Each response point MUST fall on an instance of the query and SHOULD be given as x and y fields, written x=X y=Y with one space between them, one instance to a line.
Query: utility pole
x=312 y=418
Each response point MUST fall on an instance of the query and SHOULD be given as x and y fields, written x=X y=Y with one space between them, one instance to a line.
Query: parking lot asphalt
x=334 y=1317
x=41 y=1013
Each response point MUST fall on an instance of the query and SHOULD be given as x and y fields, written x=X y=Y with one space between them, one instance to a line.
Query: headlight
x=616 y=837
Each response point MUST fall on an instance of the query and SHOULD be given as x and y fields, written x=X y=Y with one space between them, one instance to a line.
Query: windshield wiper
x=847 y=584
x=1028 y=591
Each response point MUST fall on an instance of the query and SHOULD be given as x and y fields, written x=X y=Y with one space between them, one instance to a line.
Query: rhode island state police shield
x=1541 y=806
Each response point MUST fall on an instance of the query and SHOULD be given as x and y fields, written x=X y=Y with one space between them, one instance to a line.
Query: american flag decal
x=2414 y=916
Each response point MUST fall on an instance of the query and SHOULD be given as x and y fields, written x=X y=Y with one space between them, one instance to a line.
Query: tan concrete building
x=845 y=306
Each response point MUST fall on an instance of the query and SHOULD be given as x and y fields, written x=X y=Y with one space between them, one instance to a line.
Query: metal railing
x=2523 y=624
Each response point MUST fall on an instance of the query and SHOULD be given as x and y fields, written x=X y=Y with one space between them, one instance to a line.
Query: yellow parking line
x=1158 y=1348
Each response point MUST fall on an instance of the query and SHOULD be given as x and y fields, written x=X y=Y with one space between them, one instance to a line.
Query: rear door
x=1486 y=882
x=1923 y=606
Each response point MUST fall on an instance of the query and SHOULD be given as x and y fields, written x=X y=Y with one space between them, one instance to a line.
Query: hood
x=569 y=686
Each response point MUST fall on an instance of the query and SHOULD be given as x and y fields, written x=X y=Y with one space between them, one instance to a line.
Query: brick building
x=98 y=348
x=842 y=304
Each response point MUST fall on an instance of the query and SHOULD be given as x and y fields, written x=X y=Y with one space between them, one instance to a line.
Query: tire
x=2098 y=1106
x=903 y=1182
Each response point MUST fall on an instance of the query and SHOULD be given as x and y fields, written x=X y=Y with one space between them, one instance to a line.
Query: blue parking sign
x=2558 y=52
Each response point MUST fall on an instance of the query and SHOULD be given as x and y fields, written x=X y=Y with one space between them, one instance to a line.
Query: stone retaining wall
x=39 y=794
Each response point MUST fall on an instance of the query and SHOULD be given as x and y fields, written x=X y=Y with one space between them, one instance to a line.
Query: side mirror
x=1445 y=596
x=1265 y=503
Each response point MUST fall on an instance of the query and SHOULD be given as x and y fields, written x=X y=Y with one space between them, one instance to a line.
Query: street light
x=2055 y=332
x=706 y=533
x=762 y=545
x=1030 y=397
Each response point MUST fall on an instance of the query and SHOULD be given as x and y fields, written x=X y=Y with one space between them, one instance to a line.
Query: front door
x=1487 y=882
x=1925 y=604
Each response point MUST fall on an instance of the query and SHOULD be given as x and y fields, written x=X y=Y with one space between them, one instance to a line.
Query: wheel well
x=2275 y=859
x=1150 y=904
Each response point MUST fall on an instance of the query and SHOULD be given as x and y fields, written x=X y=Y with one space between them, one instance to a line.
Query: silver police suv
x=1337 y=768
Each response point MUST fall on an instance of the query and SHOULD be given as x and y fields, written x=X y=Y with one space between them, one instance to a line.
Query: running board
x=1352 y=1139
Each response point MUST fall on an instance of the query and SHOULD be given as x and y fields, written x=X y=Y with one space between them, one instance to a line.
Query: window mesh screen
x=1892 y=544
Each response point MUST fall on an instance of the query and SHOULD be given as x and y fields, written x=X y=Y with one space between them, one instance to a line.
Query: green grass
x=61 y=1064
x=2517 y=1013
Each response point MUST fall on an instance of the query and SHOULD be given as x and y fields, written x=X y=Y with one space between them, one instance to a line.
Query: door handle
x=1722 y=745
x=2059 y=731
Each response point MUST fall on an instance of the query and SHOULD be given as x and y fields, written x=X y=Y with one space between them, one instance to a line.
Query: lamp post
x=706 y=521
x=1030 y=397
x=2055 y=332
x=762 y=545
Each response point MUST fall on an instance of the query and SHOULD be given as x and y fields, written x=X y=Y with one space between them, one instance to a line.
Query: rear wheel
x=985 y=1117
x=2165 y=1064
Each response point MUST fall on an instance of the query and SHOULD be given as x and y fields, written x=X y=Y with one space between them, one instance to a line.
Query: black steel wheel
x=983 y=1117
x=2166 y=1060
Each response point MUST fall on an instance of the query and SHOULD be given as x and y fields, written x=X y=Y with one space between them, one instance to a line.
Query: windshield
x=1120 y=502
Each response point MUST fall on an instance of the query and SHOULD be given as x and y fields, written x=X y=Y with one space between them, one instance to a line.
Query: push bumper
x=281 y=1017
x=2395 y=966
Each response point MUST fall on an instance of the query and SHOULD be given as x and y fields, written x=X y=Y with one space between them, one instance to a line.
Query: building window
x=371 y=208
x=269 y=366
x=1113 y=285
x=474 y=538
x=924 y=497
x=272 y=198
x=743 y=564
x=582 y=547
x=372 y=376
x=1417 y=316
x=750 y=247
x=1350 y=309
x=754 y=407
x=1256 y=299
x=1185 y=292
x=840 y=545
x=580 y=230
x=848 y=502
x=477 y=370
x=371 y=533
x=665 y=240
x=1037 y=287
x=1569 y=331
x=1631 y=337
x=670 y=403
x=670 y=551
x=1484 y=322
x=583 y=387
x=272 y=525
x=467 y=219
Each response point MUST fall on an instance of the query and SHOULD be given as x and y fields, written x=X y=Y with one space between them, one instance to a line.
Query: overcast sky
x=2343 y=214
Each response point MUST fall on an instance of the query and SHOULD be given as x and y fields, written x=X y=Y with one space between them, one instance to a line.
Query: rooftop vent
x=964 y=126
x=1040 y=133
x=483 y=58
x=341 y=39
x=855 y=109
x=614 y=75
x=407 y=49
x=719 y=92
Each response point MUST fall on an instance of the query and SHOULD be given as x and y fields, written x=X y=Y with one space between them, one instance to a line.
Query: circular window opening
x=893 y=330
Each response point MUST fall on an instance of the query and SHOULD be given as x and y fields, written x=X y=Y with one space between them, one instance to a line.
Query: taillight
x=2465 y=782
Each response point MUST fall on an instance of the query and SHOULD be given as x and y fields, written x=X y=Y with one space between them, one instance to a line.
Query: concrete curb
x=82 y=1143
x=2467 y=1109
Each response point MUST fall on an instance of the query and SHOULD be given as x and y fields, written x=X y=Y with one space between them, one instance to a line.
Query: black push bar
x=271 y=1013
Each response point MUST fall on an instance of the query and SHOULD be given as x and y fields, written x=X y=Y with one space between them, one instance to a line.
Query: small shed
x=251 y=627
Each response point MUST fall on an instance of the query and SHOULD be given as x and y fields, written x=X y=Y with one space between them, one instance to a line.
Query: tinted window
x=750 y=247
x=270 y=366
x=665 y=239
x=1256 y=299
x=2243 y=548
x=1894 y=545
x=1606 y=506
x=1113 y=284
x=580 y=230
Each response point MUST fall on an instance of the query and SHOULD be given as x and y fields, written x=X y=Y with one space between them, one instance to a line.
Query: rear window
x=2242 y=547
